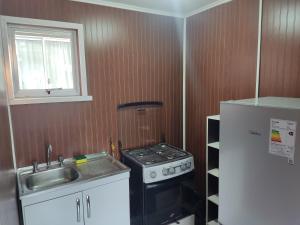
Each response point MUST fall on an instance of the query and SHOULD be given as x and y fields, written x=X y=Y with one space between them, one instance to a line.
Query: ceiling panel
x=170 y=6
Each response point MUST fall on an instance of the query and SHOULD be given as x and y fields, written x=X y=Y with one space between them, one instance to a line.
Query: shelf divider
x=215 y=145
x=214 y=199
x=214 y=172
x=213 y=222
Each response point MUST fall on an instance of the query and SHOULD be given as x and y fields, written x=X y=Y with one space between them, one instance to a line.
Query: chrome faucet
x=61 y=160
x=35 y=167
x=49 y=151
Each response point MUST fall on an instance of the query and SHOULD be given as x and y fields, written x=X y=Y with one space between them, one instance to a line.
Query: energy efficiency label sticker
x=282 y=138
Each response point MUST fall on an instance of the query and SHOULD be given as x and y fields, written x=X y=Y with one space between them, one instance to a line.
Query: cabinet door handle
x=88 y=203
x=78 y=209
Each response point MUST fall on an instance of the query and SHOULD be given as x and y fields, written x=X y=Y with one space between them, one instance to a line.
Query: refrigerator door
x=256 y=187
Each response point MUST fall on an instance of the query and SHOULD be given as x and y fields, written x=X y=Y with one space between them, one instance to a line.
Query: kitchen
x=172 y=62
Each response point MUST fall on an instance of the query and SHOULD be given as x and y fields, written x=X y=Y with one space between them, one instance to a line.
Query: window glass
x=44 y=62
x=29 y=53
x=58 y=63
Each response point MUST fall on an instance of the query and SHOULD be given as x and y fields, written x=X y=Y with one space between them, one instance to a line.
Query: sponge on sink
x=79 y=159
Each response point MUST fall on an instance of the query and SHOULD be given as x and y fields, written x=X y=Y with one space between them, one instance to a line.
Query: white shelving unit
x=212 y=166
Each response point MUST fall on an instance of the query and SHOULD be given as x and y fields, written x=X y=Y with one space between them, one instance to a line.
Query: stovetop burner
x=156 y=154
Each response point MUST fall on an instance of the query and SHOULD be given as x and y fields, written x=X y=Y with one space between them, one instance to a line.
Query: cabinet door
x=107 y=204
x=67 y=210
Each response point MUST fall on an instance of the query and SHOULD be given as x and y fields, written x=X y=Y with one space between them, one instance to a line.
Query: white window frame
x=17 y=96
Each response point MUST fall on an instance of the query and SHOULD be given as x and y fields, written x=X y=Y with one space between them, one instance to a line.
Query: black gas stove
x=159 y=184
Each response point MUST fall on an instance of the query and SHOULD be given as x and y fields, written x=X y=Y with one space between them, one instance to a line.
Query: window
x=46 y=61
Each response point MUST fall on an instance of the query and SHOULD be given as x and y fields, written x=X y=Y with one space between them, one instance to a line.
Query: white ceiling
x=176 y=7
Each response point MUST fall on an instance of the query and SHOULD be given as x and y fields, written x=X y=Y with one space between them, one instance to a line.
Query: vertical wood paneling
x=5 y=141
x=130 y=56
x=221 y=65
x=280 y=58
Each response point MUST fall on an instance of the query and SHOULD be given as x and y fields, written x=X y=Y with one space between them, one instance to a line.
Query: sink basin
x=51 y=178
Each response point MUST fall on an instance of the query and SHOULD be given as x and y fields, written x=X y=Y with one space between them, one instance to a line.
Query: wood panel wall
x=5 y=140
x=221 y=65
x=280 y=58
x=130 y=56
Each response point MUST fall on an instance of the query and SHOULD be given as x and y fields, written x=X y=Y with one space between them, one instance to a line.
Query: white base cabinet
x=65 y=210
x=106 y=204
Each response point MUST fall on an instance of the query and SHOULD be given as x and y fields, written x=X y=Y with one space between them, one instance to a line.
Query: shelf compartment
x=213 y=129
x=214 y=172
x=212 y=213
x=213 y=160
x=214 y=199
x=213 y=185
x=215 y=145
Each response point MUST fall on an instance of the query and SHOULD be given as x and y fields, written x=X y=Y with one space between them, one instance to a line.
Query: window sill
x=27 y=101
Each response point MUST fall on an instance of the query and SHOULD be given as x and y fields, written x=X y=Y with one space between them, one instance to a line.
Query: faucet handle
x=35 y=166
x=61 y=160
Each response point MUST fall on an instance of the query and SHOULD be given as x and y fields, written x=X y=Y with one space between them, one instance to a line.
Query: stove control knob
x=165 y=172
x=183 y=167
x=153 y=174
x=188 y=165
x=172 y=170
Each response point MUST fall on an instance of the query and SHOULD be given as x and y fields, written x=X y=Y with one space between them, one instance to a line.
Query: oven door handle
x=171 y=182
x=163 y=185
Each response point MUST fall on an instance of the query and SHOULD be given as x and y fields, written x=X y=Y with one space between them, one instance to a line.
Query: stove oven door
x=167 y=201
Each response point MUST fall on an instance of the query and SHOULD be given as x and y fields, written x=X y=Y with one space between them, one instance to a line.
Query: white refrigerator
x=260 y=162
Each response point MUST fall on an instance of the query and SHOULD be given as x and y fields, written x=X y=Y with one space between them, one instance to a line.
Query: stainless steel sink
x=51 y=178
x=98 y=166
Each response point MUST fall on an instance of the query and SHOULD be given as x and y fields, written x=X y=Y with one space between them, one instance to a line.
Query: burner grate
x=156 y=154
